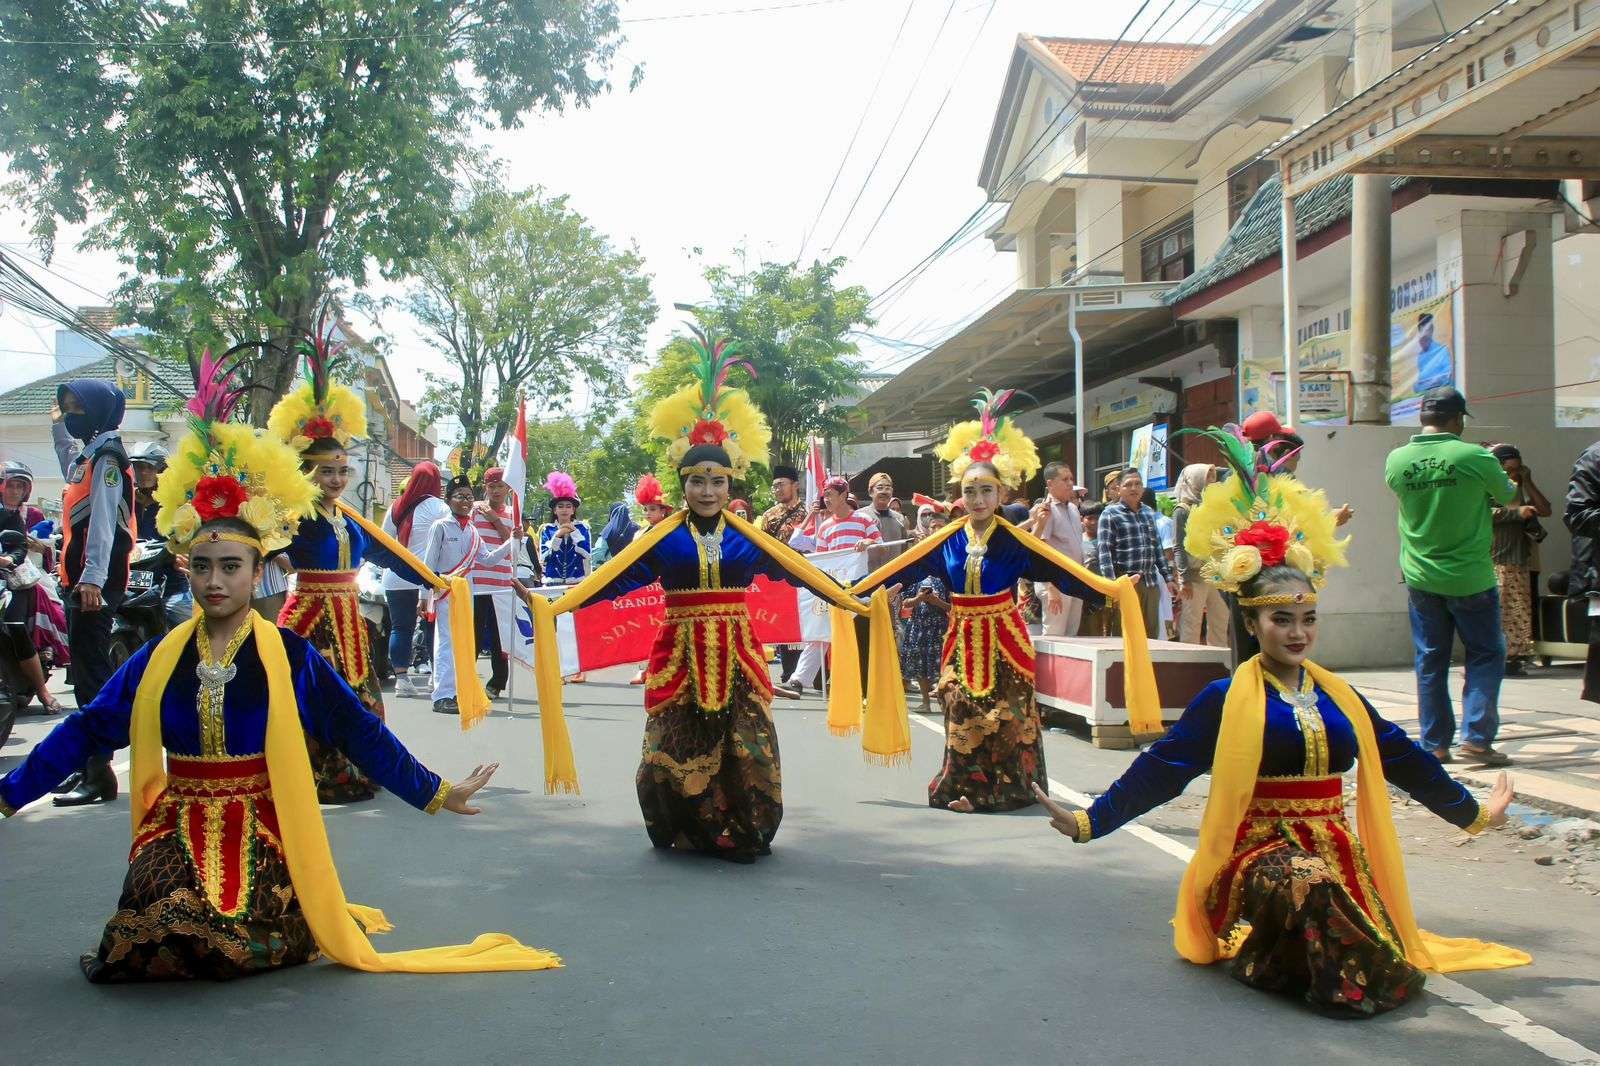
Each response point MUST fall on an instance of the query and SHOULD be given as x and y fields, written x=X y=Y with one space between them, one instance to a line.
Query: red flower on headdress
x=317 y=428
x=1270 y=539
x=218 y=497
x=706 y=431
x=984 y=451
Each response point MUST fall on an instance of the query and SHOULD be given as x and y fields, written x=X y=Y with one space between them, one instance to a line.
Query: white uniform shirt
x=429 y=511
x=449 y=543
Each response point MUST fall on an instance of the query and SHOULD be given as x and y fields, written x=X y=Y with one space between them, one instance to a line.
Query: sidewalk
x=1553 y=736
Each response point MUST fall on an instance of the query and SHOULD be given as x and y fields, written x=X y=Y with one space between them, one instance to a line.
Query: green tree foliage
x=245 y=156
x=605 y=461
x=793 y=326
x=523 y=295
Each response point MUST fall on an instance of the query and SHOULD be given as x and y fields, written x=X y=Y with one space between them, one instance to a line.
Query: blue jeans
x=402 y=626
x=1435 y=621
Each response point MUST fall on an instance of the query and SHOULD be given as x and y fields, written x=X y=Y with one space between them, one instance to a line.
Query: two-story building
x=1142 y=205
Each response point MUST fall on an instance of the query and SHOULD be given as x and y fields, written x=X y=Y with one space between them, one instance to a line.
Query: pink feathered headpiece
x=561 y=487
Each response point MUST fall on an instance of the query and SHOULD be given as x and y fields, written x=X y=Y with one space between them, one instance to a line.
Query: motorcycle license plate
x=141 y=579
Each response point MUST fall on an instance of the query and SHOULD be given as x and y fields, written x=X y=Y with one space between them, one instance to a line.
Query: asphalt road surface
x=878 y=931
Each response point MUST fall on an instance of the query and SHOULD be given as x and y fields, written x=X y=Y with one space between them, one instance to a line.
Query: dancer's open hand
x=1062 y=820
x=456 y=800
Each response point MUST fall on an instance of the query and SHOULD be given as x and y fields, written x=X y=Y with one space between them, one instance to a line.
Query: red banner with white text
x=624 y=629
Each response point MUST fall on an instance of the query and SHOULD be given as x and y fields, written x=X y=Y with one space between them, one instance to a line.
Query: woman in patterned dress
x=709 y=778
x=994 y=745
x=1281 y=890
x=926 y=608
x=319 y=420
x=230 y=872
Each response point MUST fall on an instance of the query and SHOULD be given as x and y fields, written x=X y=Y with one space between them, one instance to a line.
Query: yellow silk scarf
x=1234 y=768
x=332 y=919
x=1143 y=699
x=471 y=698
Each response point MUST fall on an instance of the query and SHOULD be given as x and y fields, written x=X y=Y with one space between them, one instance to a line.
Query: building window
x=1169 y=255
x=1108 y=451
x=1243 y=183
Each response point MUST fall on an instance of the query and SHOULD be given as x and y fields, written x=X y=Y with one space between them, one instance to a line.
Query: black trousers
x=89 y=641
x=488 y=627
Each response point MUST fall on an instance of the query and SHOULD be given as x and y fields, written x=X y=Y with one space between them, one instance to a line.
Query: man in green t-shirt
x=1444 y=486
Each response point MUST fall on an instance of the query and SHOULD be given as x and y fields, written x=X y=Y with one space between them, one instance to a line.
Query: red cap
x=493 y=474
x=1263 y=426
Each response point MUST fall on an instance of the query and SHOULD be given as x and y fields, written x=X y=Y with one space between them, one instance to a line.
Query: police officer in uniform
x=97 y=523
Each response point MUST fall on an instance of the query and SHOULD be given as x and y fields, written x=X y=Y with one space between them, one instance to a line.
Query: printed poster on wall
x=1422 y=356
x=1147 y=453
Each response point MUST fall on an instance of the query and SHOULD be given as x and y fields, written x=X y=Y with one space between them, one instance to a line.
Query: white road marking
x=1514 y=1024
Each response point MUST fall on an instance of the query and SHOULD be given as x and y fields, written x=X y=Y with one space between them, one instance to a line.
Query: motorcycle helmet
x=13 y=469
x=150 y=453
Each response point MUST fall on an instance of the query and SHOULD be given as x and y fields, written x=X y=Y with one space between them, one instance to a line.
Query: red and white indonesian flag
x=514 y=461
x=816 y=474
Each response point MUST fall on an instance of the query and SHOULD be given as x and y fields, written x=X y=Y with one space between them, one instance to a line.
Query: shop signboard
x=1422 y=356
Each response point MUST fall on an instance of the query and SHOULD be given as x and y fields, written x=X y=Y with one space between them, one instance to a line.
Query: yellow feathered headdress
x=993 y=438
x=1256 y=519
x=224 y=469
x=321 y=412
x=707 y=412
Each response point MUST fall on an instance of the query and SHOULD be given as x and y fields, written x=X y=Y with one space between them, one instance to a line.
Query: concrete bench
x=1082 y=677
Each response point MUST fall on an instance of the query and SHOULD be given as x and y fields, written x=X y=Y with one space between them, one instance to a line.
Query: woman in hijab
x=408 y=520
x=1203 y=605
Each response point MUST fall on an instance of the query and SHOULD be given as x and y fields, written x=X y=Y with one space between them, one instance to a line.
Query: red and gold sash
x=981 y=626
x=331 y=593
x=706 y=638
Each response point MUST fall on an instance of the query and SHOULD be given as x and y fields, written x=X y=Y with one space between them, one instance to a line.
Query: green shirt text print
x=1444 y=486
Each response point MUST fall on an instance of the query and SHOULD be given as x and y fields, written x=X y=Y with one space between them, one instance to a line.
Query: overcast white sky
x=733 y=137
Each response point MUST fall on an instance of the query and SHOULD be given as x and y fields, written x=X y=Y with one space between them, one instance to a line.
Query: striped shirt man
x=494 y=576
x=840 y=534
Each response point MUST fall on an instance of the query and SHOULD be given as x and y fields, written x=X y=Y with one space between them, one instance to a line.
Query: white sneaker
x=403 y=686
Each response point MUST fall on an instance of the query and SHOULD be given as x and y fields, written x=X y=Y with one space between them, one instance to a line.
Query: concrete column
x=1505 y=345
x=1100 y=231
x=1370 y=237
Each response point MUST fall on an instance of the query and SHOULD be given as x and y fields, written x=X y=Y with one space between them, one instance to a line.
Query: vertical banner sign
x=1147 y=453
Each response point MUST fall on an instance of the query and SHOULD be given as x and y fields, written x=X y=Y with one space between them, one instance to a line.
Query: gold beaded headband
x=707 y=468
x=216 y=535
x=1286 y=599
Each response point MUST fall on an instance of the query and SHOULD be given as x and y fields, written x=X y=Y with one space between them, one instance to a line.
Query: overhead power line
x=900 y=114
x=883 y=69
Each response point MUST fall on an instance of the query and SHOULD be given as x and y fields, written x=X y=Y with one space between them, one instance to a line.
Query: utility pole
x=1370 y=236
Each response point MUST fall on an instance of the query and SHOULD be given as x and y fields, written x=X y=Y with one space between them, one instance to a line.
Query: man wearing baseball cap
x=1445 y=487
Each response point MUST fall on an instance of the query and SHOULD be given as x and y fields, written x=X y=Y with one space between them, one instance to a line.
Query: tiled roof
x=103 y=318
x=37 y=397
x=1255 y=235
x=1152 y=63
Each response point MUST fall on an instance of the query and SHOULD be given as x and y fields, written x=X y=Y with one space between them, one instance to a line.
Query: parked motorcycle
x=143 y=615
x=15 y=690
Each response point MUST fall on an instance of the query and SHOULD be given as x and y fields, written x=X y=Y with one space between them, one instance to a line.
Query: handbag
x=24 y=575
x=1535 y=530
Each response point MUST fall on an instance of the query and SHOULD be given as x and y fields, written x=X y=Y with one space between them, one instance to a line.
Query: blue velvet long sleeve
x=675 y=562
x=328 y=710
x=102 y=726
x=1007 y=560
x=1165 y=768
x=1162 y=771
x=1412 y=768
